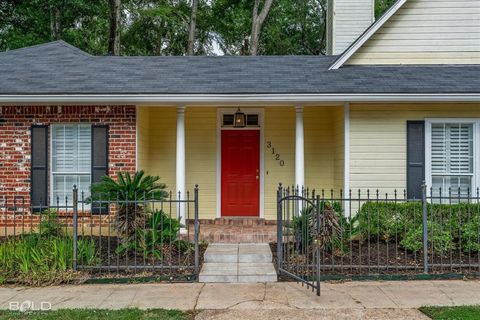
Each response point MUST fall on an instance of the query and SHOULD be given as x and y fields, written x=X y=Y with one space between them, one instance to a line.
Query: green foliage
x=161 y=229
x=332 y=227
x=50 y=225
x=160 y=27
x=33 y=257
x=471 y=235
x=381 y=6
x=129 y=193
x=449 y=225
x=439 y=239
x=127 y=188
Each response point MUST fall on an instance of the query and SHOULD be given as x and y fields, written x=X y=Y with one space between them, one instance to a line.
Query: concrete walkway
x=281 y=300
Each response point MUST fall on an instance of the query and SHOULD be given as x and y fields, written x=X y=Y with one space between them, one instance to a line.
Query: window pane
x=71 y=148
x=452 y=148
x=84 y=148
x=252 y=120
x=228 y=119
x=62 y=186
x=459 y=185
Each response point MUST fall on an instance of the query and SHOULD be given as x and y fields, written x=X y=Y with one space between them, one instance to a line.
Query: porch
x=301 y=145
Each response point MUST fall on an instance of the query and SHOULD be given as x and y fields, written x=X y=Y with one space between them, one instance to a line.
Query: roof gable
x=414 y=32
x=366 y=35
x=59 y=48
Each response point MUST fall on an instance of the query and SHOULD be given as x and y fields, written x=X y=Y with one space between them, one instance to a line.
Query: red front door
x=240 y=172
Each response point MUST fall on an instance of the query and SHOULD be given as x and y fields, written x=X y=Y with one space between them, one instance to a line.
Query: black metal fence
x=370 y=233
x=142 y=234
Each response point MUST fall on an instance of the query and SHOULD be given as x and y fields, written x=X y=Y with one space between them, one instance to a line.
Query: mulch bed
x=174 y=264
x=364 y=259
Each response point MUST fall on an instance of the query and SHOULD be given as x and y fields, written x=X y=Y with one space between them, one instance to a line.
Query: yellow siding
x=319 y=132
x=279 y=128
x=143 y=128
x=156 y=142
x=339 y=143
x=201 y=157
x=426 y=32
x=378 y=140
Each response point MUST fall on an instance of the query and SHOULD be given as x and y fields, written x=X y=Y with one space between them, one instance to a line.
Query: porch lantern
x=239 y=119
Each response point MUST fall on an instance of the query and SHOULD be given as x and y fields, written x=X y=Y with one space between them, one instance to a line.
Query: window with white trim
x=70 y=161
x=452 y=157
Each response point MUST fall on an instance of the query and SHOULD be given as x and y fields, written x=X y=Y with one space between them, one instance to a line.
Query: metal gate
x=299 y=236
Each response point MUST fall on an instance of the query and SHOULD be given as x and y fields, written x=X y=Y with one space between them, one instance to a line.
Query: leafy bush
x=50 y=224
x=128 y=193
x=448 y=224
x=161 y=229
x=471 y=236
x=440 y=240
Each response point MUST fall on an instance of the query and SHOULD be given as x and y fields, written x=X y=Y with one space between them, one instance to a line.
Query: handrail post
x=279 y=228
x=196 y=231
x=425 y=228
x=75 y=226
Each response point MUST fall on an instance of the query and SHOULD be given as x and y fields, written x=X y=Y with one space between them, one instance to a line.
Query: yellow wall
x=156 y=142
x=378 y=140
x=279 y=128
x=156 y=149
x=201 y=157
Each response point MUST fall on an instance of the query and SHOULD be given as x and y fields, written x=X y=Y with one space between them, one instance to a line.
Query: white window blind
x=452 y=157
x=71 y=161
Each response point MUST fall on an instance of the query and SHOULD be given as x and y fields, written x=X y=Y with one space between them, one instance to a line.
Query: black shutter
x=39 y=167
x=415 y=158
x=99 y=161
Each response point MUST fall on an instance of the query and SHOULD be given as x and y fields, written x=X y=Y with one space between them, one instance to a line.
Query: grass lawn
x=96 y=314
x=452 y=313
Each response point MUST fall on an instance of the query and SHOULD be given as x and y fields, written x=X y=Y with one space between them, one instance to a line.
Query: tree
x=257 y=22
x=115 y=16
x=192 y=27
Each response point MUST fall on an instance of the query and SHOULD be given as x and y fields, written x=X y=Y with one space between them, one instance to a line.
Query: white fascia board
x=231 y=99
x=366 y=35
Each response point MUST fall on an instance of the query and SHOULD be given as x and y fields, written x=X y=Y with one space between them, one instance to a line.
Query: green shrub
x=439 y=239
x=161 y=229
x=471 y=236
x=387 y=220
x=403 y=222
x=50 y=224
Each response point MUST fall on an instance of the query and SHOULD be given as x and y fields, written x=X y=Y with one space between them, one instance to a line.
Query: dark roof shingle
x=59 y=68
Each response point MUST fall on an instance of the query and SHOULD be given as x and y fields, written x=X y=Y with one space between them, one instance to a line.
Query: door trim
x=261 y=115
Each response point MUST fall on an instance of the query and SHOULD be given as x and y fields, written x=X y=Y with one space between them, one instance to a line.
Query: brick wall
x=15 y=123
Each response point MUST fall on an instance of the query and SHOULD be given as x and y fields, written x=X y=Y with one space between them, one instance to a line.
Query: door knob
x=256 y=177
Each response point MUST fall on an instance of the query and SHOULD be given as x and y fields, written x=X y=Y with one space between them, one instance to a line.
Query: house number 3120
x=275 y=154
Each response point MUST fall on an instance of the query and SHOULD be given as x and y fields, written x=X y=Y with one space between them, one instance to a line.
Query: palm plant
x=129 y=194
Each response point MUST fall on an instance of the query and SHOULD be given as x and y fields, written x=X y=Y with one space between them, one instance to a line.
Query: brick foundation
x=15 y=123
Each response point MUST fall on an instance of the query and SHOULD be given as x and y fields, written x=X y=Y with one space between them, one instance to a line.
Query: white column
x=180 y=161
x=299 y=149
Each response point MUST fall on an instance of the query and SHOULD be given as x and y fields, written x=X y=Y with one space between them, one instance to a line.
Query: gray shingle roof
x=59 y=68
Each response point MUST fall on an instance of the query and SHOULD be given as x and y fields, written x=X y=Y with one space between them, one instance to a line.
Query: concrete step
x=238 y=263
x=238 y=272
